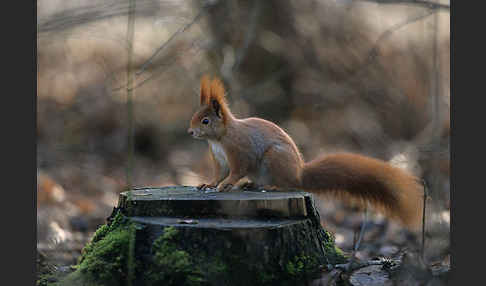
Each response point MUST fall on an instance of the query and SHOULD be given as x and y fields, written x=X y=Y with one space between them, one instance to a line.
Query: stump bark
x=183 y=236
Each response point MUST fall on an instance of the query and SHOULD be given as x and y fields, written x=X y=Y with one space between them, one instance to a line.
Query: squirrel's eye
x=205 y=121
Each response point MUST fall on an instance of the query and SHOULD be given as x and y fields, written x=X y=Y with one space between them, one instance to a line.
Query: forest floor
x=66 y=222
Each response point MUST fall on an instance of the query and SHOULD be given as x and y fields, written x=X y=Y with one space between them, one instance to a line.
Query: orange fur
x=217 y=91
x=214 y=90
x=263 y=152
x=361 y=179
x=218 y=94
x=205 y=92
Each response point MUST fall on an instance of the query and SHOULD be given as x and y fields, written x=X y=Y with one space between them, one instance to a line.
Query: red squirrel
x=264 y=153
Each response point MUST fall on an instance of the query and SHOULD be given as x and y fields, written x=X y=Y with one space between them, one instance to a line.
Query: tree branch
x=73 y=17
x=373 y=53
x=250 y=34
x=423 y=3
x=166 y=43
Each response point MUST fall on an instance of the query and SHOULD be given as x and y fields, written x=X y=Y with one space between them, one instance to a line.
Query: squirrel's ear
x=216 y=107
x=205 y=92
x=217 y=98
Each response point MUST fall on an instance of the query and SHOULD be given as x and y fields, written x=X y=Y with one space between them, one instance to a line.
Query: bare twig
x=90 y=13
x=261 y=85
x=422 y=251
x=373 y=53
x=152 y=76
x=250 y=34
x=361 y=233
x=346 y=267
x=435 y=94
x=422 y=3
x=357 y=265
x=166 y=43
x=150 y=60
x=360 y=237
x=130 y=36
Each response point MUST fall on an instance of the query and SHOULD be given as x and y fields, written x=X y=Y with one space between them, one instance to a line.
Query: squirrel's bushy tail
x=361 y=179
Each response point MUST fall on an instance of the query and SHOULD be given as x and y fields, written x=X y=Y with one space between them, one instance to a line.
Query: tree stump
x=183 y=236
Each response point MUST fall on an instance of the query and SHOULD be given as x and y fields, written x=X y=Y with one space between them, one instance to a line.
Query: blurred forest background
x=371 y=77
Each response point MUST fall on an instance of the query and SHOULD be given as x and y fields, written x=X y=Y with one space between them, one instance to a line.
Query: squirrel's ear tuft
x=218 y=92
x=214 y=96
x=205 y=92
x=218 y=99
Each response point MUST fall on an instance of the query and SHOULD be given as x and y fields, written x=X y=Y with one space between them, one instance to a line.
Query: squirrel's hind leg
x=280 y=168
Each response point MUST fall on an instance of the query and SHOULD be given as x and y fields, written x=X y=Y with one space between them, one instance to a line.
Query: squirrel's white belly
x=219 y=155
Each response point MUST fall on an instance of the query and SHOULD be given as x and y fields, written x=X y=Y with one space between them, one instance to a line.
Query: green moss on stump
x=173 y=266
x=333 y=253
x=104 y=260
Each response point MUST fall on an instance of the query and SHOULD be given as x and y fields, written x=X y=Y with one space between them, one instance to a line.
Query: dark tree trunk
x=183 y=236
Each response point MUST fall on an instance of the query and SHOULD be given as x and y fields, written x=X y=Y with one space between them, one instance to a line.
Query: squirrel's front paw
x=225 y=188
x=202 y=187
x=248 y=186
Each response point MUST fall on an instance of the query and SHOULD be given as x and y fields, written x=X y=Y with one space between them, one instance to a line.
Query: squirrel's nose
x=190 y=131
